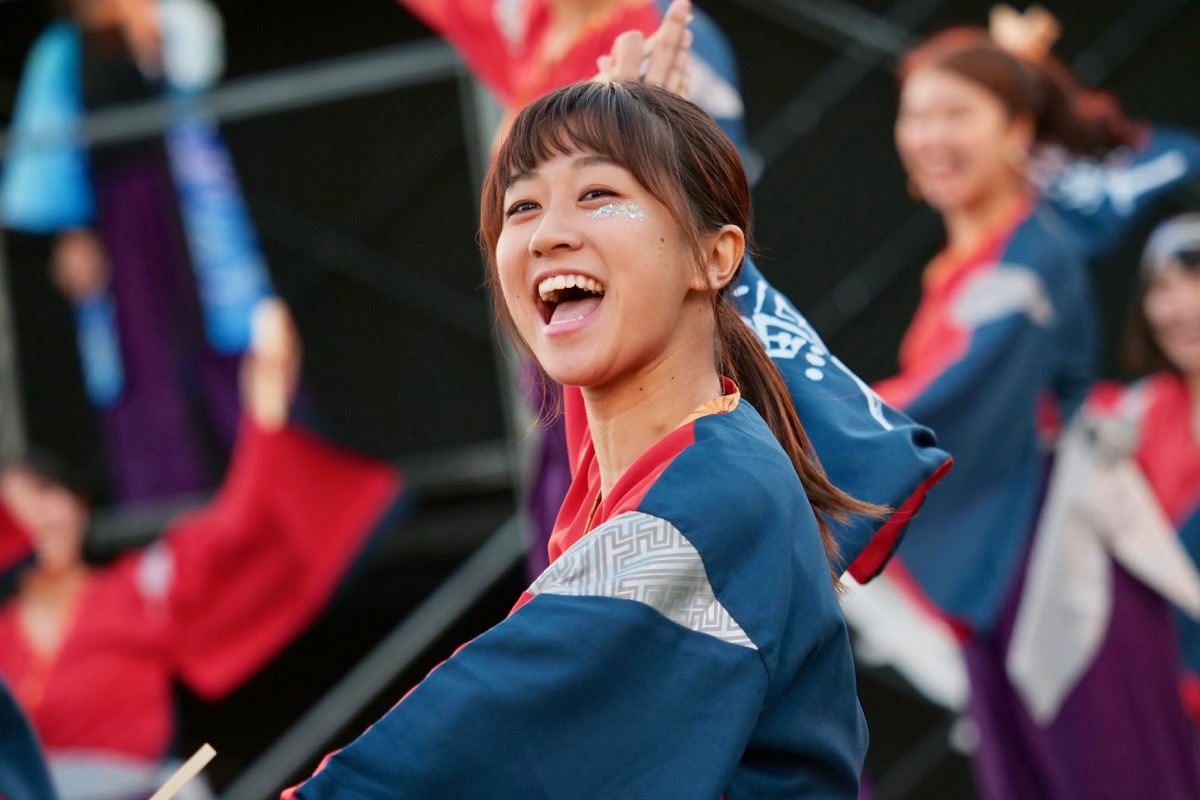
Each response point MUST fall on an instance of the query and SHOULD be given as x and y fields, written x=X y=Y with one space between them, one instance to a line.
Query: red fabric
x=629 y=490
x=514 y=62
x=576 y=512
x=471 y=27
x=934 y=341
x=1189 y=690
x=575 y=425
x=14 y=541
x=903 y=580
x=1168 y=452
x=220 y=594
x=877 y=552
x=288 y=521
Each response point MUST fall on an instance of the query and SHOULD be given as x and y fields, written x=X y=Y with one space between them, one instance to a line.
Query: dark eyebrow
x=593 y=160
x=523 y=175
x=590 y=160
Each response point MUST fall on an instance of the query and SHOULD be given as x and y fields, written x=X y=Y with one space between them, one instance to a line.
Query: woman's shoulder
x=732 y=482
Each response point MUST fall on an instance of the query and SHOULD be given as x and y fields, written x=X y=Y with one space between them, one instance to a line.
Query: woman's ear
x=723 y=251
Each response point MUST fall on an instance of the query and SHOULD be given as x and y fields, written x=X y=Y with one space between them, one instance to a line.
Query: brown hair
x=1083 y=121
x=1175 y=239
x=678 y=153
x=1140 y=353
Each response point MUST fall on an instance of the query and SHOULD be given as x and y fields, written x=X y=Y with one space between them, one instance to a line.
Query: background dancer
x=1001 y=348
x=92 y=652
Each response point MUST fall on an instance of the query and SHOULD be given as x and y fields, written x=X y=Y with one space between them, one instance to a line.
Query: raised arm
x=473 y=28
x=868 y=448
x=246 y=574
x=1103 y=200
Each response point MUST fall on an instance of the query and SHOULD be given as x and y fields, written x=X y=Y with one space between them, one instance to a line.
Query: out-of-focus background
x=355 y=135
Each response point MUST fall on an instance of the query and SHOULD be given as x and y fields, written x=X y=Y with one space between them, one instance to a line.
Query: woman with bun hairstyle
x=999 y=140
x=92 y=652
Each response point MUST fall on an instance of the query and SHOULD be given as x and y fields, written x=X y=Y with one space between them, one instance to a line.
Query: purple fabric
x=550 y=476
x=1121 y=734
x=181 y=399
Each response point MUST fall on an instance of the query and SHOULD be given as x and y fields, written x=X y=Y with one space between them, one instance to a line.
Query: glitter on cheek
x=631 y=210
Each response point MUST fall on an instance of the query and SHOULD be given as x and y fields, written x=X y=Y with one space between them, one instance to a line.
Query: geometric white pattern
x=639 y=557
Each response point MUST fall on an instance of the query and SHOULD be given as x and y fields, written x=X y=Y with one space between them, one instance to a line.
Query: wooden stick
x=190 y=769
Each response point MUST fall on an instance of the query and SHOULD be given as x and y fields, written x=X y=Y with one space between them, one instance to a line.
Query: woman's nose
x=556 y=232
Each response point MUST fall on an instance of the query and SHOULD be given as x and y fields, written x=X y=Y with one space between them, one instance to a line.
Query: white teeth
x=549 y=288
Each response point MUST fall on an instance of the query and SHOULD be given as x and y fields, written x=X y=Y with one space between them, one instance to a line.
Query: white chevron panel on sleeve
x=639 y=557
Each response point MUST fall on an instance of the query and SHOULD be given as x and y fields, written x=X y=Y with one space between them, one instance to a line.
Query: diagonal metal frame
x=291 y=89
x=12 y=417
x=889 y=37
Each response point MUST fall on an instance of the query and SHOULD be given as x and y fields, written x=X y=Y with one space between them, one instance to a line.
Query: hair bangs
x=601 y=118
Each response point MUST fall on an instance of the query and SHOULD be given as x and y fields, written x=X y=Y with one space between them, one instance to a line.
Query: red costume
x=218 y=595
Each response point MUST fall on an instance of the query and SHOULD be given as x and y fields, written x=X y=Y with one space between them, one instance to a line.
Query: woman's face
x=956 y=140
x=1172 y=306
x=54 y=517
x=596 y=274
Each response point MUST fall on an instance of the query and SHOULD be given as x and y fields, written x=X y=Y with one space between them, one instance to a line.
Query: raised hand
x=663 y=58
x=271 y=368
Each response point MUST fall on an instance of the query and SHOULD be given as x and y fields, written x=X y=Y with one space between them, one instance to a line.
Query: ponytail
x=1086 y=122
x=1083 y=121
x=743 y=360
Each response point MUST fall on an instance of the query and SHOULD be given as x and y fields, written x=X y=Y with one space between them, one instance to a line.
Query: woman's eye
x=598 y=194
x=519 y=206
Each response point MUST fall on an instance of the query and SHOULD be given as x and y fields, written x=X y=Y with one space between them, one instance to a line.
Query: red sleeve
x=471 y=27
x=1104 y=398
x=250 y=571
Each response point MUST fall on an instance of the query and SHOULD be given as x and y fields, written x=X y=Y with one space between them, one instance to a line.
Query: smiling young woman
x=686 y=640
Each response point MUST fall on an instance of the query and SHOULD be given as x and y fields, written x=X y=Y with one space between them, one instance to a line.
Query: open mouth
x=568 y=298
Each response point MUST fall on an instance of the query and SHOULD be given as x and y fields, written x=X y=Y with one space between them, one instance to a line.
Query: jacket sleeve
x=471 y=27
x=609 y=680
x=868 y=448
x=1102 y=201
x=245 y=575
